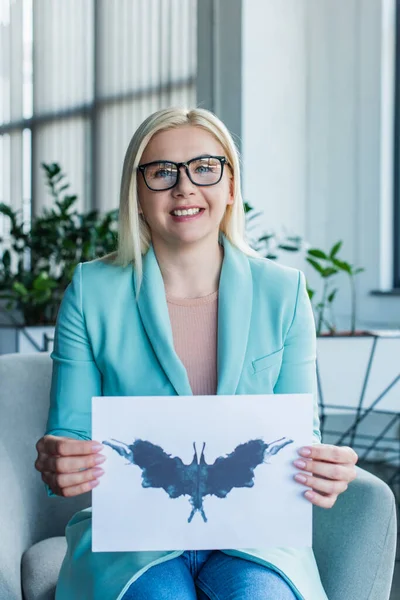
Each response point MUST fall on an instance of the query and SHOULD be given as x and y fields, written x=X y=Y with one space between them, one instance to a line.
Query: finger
x=64 y=480
x=67 y=464
x=63 y=446
x=73 y=490
x=40 y=462
x=320 y=500
x=326 y=486
x=325 y=469
x=49 y=479
x=330 y=453
x=82 y=488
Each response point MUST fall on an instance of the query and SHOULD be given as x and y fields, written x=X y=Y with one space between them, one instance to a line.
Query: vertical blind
x=77 y=77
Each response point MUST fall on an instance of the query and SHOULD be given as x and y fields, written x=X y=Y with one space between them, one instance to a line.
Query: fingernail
x=99 y=459
x=305 y=451
x=300 y=463
x=300 y=478
x=93 y=483
x=309 y=494
x=96 y=447
x=98 y=472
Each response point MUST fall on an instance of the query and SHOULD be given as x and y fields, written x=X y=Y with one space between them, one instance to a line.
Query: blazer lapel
x=234 y=313
x=154 y=313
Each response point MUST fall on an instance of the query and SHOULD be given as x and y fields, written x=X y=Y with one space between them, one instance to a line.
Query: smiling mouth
x=186 y=212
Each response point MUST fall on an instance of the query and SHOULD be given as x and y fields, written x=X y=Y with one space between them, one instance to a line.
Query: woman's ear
x=141 y=213
x=231 y=191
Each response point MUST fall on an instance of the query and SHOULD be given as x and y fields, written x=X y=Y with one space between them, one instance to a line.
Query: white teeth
x=185 y=212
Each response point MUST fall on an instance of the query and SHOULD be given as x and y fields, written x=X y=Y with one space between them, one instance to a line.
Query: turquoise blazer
x=108 y=343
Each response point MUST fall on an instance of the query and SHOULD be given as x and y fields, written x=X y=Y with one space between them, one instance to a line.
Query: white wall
x=274 y=110
x=346 y=107
x=311 y=132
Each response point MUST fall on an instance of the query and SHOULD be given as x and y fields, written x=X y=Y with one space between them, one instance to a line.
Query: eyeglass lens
x=203 y=171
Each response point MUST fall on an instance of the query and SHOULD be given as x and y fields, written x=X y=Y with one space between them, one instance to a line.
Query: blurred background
x=310 y=90
x=307 y=87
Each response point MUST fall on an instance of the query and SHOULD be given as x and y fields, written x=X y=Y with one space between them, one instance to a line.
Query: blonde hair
x=134 y=237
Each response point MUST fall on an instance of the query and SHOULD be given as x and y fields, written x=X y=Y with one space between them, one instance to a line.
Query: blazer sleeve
x=75 y=376
x=298 y=370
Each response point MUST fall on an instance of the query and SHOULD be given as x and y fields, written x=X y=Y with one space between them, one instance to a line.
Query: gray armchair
x=354 y=542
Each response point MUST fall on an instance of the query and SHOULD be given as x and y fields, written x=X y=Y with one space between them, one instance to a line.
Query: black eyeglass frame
x=222 y=159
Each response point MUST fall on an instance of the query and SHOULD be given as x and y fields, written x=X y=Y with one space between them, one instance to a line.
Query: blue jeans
x=209 y=575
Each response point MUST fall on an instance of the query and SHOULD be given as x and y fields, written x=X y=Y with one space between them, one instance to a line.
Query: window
x=76 y=79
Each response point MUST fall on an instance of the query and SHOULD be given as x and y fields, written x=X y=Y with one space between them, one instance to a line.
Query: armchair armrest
x=355 y=541
x=14 y=529
x=27 y=515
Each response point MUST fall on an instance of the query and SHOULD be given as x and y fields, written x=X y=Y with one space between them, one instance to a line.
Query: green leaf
x=7 y=211
x=20 y=289
x=6 y=259
x=43 y=283
x=67 y=202
x=332 y=295
x=317 y=253
x=54 y=169
x=335 y=249
x=311 y=293
x=329 y=272
x=342 y=265
x=266 y=238
x=41 y=296
x=316 y=265
x=360 y=270
x=347 y=267
x=288 y=248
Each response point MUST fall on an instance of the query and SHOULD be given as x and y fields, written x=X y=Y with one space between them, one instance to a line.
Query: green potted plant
x=328 y=265
x=38 y=264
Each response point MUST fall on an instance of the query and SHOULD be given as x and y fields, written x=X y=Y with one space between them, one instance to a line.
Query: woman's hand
x=69 y=467
x=327 y=470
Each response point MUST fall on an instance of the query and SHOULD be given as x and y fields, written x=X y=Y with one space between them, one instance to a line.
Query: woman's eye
x=204 y=169
x=163 y=173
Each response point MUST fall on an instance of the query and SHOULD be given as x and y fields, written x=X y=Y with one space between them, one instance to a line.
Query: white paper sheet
x=273 y=512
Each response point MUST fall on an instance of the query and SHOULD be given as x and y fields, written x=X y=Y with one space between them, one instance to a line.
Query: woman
x=126 y=326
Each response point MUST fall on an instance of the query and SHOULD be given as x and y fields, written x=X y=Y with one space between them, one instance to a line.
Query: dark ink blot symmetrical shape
x=197 y=479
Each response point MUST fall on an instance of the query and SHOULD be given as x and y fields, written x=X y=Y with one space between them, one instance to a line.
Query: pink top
x=194 y=324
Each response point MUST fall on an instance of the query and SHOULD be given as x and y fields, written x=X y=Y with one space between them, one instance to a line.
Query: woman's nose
x=184 y=184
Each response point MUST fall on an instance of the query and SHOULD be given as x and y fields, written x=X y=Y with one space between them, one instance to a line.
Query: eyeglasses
x=163 y=175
